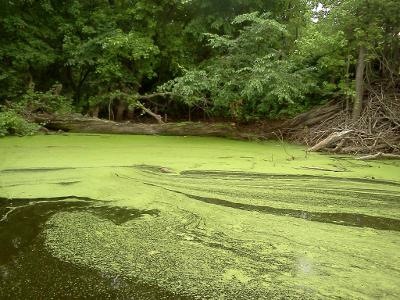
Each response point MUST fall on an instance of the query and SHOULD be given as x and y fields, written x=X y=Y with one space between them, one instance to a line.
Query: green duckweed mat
x=149 y=217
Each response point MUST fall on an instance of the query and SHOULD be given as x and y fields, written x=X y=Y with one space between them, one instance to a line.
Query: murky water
x=122 y=217
x=28 y=270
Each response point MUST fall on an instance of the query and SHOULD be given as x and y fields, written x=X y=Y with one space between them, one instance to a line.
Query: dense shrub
x=46 y=102
x=11 y=123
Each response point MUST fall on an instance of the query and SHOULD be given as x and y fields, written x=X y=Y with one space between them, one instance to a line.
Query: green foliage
x=250 y=75
x=107 y=99
x=191 y=88
x=11 y=123
x=233 y=58
x=43 y=102
x=91 y=47
x=26 y=44
x=326 y=55
x=121 y=47
x=343 y=28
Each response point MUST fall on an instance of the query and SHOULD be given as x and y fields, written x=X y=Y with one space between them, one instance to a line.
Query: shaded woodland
x=328 y=71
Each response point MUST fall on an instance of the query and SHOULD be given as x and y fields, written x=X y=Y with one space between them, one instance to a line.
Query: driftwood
x=376 y=130
x=331 y=139
x=80 y=124
x=379 y=155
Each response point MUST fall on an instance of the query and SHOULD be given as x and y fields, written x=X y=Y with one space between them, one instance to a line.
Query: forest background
x=232 y=60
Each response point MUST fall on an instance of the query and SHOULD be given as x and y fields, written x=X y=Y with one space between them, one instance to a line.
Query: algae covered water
x=141 y=217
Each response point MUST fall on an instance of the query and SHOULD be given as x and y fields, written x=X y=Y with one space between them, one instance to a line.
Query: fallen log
x=80 y=124
x=331 y=139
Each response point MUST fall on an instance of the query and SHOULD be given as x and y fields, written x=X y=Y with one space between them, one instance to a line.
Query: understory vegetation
x=230 y=60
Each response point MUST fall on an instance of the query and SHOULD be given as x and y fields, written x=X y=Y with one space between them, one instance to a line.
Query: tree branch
x=148 y=111
x=149 y=96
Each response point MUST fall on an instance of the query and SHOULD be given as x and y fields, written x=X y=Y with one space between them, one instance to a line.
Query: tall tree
x=371 y=28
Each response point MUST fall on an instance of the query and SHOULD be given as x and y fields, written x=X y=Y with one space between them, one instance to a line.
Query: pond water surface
x=146 y=217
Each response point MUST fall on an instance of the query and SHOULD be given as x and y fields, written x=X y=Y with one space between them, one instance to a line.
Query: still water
x=141 y=217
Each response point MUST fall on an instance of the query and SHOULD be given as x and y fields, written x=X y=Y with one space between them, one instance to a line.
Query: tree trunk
x=130 y=114
x=31 y=83
x=120 y=111
x=94 y=111
x=358 y=101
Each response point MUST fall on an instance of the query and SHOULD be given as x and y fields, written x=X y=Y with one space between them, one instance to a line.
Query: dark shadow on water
x=242 y=175
x=344 y=219
x=61 y=198
x=33 y=170
x=62 y=183
x=120 y=215
x=29 y=271
x=22 y=221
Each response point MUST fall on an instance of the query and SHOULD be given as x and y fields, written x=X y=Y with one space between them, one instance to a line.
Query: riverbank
x=327 y=128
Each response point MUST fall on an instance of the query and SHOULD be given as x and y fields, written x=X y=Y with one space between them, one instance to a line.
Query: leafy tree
x=251 y=74
x=234 y=58
x=27 y=48
x=371 y=29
